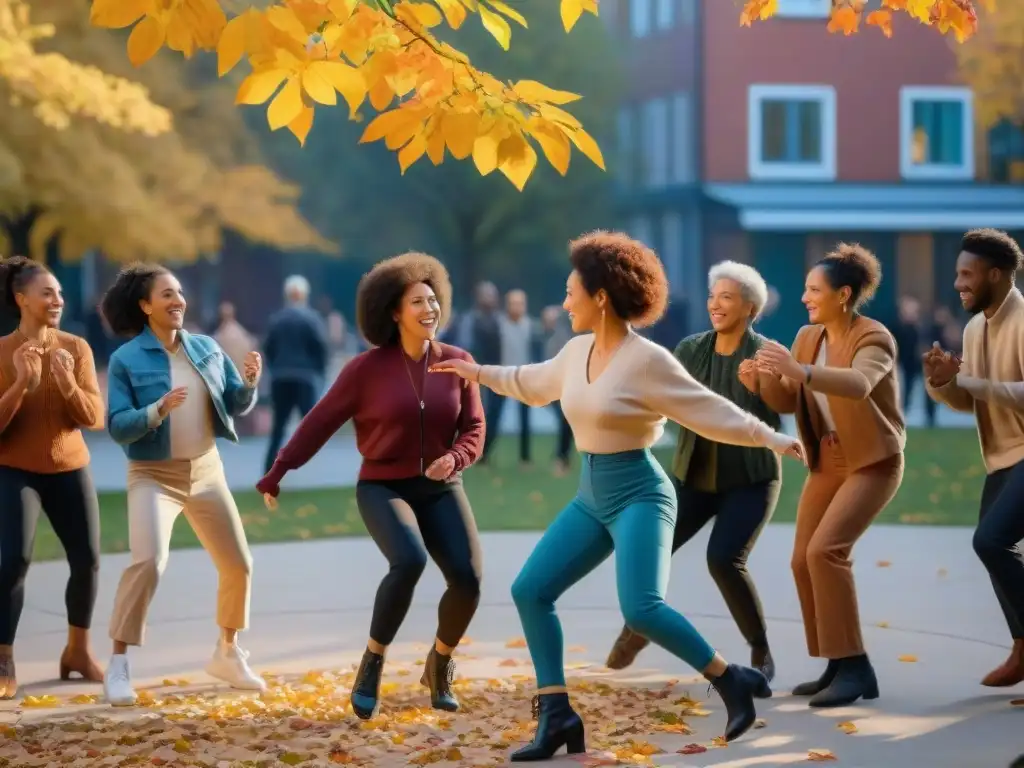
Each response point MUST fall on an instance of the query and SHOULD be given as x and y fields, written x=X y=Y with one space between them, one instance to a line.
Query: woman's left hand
x=779 y=359
x=463 y=368
x=442 y=468
x=252 y=368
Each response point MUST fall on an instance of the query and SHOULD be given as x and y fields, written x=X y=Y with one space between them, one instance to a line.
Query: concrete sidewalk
x=923 y=595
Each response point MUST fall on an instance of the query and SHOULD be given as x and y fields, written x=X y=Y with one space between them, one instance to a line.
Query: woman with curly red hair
x=840 y=381
x=616 y=389
x=416 y=435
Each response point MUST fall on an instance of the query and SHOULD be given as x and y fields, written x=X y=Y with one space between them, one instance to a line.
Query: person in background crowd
x=840 y=380
x=297 y=352
x=617 y=388
x=557 y=331
x=736 y=486
x=479 y=333
x=907 y=332
x=989 y=382
x=518 y=336
x=416 y=434
x=171 y=395
x=48 y=395
x=232 y=336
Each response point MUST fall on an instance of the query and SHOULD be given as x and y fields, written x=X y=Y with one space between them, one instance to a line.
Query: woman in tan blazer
x=840 y=381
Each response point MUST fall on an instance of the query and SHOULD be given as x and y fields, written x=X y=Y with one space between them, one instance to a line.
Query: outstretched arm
x=670 y=390
x=470 y=441
x=868 y=367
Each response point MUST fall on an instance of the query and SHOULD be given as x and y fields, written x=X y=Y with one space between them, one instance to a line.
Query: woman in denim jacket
x=171 y=394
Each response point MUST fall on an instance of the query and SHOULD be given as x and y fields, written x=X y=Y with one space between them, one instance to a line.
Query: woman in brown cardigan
x=841 y=383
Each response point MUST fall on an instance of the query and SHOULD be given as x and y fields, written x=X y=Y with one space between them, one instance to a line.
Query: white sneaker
x=229 y=663
x=117 y=682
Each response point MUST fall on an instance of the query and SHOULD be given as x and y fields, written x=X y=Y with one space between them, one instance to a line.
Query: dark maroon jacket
x=381 y=391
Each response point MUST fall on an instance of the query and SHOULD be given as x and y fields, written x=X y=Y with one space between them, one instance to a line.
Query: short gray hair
x=753 y=288
x=296 y=284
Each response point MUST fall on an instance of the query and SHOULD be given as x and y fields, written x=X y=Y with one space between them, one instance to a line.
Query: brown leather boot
x=1010 y=672
x=626 y=648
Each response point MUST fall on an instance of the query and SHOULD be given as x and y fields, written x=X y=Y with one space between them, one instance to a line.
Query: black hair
x=851 y=265
x=15 y=275
x=995 y=246
x=120 y=305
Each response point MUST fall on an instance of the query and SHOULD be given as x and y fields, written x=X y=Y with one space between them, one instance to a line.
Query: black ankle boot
x=1018 y=763
x=438 y=676
x=761 y=660
x=626 y=648
x=738 y=686
x=816 y=686
x=854 y=679
x=557 y=725
x=366 y=686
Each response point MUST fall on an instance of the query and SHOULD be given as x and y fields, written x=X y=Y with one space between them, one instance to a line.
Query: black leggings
x=409 y=519
x=69 y=501
x=996 y=541
x=739 y=514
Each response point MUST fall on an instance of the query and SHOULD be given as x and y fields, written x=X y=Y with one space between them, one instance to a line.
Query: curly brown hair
x=851 y=265
x=381 y=289
x=629 y=272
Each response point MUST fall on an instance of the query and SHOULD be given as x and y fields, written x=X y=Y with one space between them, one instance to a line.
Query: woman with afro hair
x=840 y=380
x=616 y=389
x=171 y=395
x=416 y=435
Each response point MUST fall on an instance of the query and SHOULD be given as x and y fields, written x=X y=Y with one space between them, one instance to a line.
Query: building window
x=804 y=9
x=655 y=138
x=640 y=17
x=672 y=246
x=937 y=133
x=626 y=136
x=665 y=14
x=640 y=229
x=682 y=139
x=792 y=132
x=1006 y=153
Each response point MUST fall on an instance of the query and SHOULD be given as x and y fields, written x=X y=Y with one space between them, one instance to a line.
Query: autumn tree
x=95 y=155
x=482 y=226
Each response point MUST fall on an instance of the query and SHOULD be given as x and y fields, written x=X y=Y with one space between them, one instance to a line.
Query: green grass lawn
x=941 y=486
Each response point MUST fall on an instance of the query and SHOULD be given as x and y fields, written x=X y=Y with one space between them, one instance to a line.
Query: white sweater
x=626 y=407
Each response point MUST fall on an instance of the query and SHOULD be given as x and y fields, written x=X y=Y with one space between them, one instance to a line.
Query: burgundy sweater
x=381 y=391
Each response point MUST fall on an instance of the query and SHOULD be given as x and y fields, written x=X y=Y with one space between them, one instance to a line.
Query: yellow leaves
x=516 y=642
x=847 y=727
x=497 y=26
x=907 y=658
x=184 y=26
x=116 y=14
x=820 y=756
x=286 y=106
x=957 y=17
x=572 y=10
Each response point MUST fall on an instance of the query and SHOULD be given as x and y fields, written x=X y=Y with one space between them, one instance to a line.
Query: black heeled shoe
x=738 y=686
x=811 y=687
x=438 y=676
x=854 y=679
x=761 y=660
x=558 y=725
x=366 y=687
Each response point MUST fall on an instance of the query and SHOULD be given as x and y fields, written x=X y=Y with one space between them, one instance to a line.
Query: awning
x=872 y=207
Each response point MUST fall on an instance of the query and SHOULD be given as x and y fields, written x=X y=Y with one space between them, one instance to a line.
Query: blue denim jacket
x=140 y=374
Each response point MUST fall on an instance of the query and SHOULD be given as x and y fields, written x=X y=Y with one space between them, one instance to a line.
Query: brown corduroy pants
x=158 y=492
x=836 y=507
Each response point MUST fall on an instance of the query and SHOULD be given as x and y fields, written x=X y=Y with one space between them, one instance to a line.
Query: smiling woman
x=416 y=434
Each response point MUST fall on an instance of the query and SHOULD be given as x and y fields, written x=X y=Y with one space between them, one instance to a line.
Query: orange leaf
x=844 y=19
x=820 y=756
x=847 y=727
x=1017 y=703
x=516 y=642
x=882 y=20
x=908 y=658
x=883 y=563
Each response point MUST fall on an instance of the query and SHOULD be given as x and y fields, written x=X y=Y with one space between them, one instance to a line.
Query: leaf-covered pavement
x=307 y=720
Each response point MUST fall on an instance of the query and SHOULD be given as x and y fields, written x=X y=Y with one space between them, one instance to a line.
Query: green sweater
x=708 y=466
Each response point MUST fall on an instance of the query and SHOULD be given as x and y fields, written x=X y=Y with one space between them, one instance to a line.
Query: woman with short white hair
x=736 y=486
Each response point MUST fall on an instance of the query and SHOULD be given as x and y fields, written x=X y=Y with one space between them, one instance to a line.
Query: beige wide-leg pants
x=158 y=491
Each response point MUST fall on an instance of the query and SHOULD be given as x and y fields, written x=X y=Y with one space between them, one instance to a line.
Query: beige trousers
x=159 y=491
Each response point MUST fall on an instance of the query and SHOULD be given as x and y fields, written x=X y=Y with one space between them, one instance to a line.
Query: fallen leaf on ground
x=942 y=572
x=692 y=749
x=820 y=756
x=1017 y=703
x=847 y=727
x=516 y=642
x=577 y=649
x=882 y=625
x=883 y=563
x=908 y=658
x=760 y=723
x=719 y=741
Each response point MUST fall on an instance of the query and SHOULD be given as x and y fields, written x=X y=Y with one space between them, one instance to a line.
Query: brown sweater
x=869 y=422
x=40 y=431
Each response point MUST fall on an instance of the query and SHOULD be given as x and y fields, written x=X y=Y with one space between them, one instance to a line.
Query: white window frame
x=757 y=168
x=804 y=9
x=913 y=171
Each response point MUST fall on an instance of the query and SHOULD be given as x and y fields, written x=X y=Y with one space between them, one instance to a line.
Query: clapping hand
x=171 y=400
x=778 y=359
x=28 y=364
x=940 y=366
x=62 y=368
x=442 y=468
x=252 y=368
x=748 y=373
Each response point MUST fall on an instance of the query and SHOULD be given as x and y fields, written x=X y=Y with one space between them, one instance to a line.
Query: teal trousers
x=625 y=504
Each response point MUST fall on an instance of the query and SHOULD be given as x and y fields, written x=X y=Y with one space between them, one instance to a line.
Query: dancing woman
x=416 y=435
x=737 y=486
x=840 y=381
x=171 y=395
x=48 y=394
x=617 y=388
